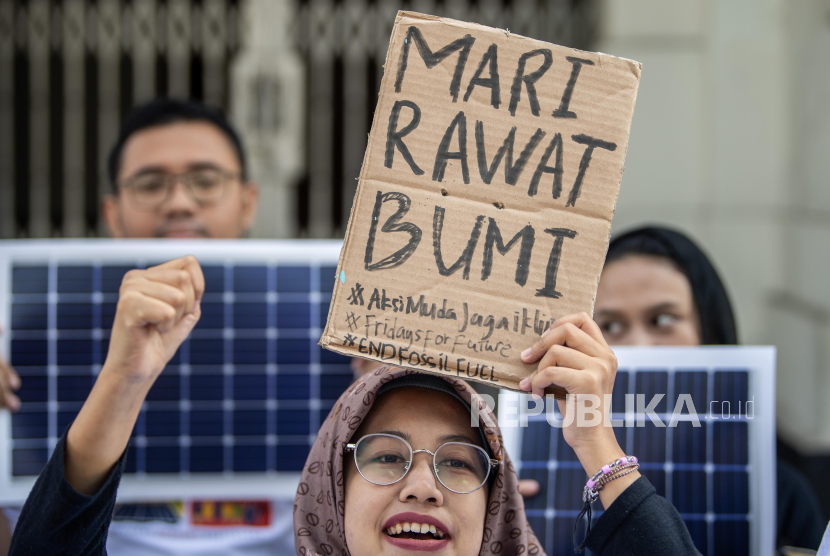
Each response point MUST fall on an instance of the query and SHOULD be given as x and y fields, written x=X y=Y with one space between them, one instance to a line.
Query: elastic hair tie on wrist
x=614 y=470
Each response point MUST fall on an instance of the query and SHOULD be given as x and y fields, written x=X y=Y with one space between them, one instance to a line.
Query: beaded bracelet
x=614 y=470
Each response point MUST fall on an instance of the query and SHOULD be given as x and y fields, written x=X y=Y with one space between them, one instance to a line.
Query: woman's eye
x=664 y=320
x=389 y=458
x=455 y=463
x=613 y=328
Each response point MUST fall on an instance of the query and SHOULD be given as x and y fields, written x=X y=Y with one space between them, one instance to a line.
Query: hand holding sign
x=484 y=203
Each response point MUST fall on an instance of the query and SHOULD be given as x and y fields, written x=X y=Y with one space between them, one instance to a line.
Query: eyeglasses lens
x=152 y=189
x=461 y=467
x=382 y=459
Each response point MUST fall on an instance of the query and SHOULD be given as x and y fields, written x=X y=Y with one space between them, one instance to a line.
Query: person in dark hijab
x=659 y=288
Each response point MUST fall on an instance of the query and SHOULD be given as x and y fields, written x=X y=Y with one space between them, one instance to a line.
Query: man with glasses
x=177 y=171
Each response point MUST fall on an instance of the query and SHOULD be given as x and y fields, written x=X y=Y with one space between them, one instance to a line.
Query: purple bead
x=623 y=461
x=606 y=469
x=632 y=459
x=591 y=483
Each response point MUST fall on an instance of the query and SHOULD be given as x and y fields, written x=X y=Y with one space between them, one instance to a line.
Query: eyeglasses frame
x=494 y=463
x=184 y=177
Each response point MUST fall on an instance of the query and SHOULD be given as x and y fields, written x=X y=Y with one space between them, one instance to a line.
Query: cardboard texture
x=484 y=205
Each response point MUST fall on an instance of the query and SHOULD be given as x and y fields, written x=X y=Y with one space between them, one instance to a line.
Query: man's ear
x=111 y=213
x=250 y=203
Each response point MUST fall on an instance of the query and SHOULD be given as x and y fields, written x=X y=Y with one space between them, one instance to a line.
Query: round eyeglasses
x=384 y=459
x=150 y=190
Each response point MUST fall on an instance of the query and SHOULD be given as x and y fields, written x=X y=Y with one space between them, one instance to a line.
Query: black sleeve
x=640 y=523
x=58 y=520
x=800 y=520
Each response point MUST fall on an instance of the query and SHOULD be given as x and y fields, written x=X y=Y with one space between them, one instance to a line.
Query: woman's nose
x=421 y=483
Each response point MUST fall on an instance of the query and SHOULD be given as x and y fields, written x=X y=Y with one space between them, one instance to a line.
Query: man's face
x=178 y=148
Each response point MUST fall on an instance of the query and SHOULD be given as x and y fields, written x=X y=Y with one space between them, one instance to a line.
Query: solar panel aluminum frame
x=148 y=487
x=759 y=361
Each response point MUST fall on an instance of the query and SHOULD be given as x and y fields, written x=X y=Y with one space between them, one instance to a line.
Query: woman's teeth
x=422 y=528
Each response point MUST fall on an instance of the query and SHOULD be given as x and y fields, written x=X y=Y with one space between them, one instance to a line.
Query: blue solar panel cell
x=694 y=383
x=207 y=459
x=207 y=423
x=74 y=279
x=207 y=352
x=214 y=278
x=162 y=423
x=27 y=353
x=732 y=537
x=162 y=459
x=331 y=358
x=293 y=351
x=293 y=386
x=693 y=447
x=731 y=490
x=207 y=385
x=292 y=457
x=332 y=385
x=731 y=389
x=74 y=352
x=29 y=316
x=293 y=279
x=328 y=274
x=657 y=477
x=650 y=442
x=250 y=315
x=26 y=424
x=112 y=276
x=249 y=458
x=250 y=422
x=250 y=387
x=250 y=279
x=293 y=315
x=250 y=352
x=689 y=491
x=653 y=384
x=730 y=443
x=167 y=386
x=28 y=461
x=213 y=316
x=74 y=316
x=30 y=279
x=37 y=385
x=74 y=388
x=67 y=417
x=293 y=422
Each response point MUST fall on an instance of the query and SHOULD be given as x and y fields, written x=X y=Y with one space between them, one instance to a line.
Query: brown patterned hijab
x=320 y=504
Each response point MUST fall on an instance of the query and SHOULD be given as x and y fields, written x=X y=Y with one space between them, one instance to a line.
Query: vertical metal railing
x=70 y=69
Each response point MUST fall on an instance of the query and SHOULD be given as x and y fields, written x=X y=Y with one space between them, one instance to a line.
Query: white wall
x=731 y=143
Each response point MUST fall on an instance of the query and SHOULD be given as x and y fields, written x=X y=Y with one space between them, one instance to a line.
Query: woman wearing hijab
x=366 y=491
x=396 y=457
x=659 y=288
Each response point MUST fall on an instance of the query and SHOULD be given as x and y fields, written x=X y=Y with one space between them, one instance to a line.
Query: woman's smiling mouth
x=412 y=531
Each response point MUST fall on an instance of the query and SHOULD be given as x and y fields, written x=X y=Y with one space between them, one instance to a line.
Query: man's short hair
x=163 y=111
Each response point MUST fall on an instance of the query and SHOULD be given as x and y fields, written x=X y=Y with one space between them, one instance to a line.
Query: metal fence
x=70 y=69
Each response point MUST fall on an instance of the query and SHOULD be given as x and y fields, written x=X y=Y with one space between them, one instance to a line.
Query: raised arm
x=70 y=506
x=157 y=309
x=573 y=354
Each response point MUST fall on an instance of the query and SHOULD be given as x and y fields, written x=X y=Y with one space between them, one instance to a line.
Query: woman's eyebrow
x=665 y=306
x=404 y=435
x=456 y=438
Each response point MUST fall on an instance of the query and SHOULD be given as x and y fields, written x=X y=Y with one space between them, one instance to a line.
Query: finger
x=138 y=310
x=180 y=299
x=563 y=356
x=11 y=374
x=179 y=280
x=567 y=332
x=190 y=264
x=528 y=488
x=573 y=380
x=7 y=397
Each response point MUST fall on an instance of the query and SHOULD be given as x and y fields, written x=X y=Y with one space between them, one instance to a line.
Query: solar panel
x=720 y=476
x=235 y=411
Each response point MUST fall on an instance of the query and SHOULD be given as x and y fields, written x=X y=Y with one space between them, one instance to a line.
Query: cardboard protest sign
x=484 y=204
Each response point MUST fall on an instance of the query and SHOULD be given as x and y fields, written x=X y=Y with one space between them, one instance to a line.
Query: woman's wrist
x=593 y=454
x=101 y=431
